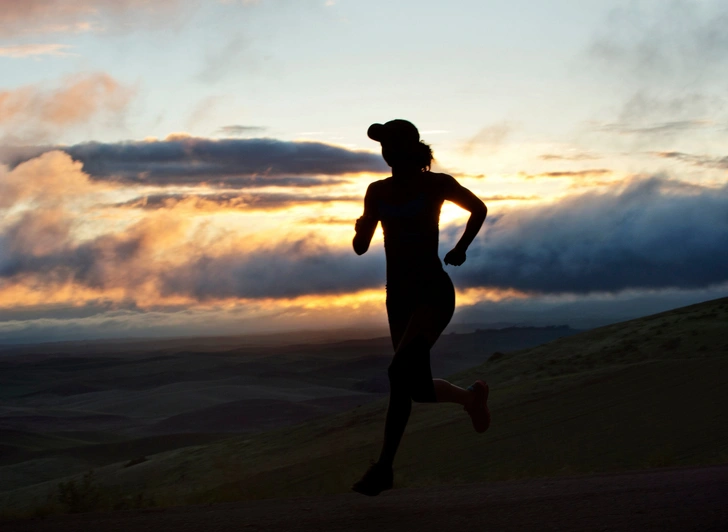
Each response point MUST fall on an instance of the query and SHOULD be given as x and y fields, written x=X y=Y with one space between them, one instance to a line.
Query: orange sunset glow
x=176 y=160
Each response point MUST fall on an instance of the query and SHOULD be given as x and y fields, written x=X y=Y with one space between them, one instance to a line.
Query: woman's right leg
x=448 y=392
x=380 y=475
x=398 y=413
x=400 y=402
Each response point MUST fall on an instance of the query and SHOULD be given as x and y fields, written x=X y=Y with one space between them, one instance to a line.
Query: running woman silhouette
x=420 y=294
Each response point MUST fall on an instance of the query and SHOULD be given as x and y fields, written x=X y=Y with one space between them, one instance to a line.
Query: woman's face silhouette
x=398 y=154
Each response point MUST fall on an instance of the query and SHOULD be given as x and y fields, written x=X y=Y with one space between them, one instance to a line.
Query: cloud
x=660 y=128
x=41 y=248
x=651 y=233
x=329 y=220
x=670 y=59
x=665 y=40
x=51 y=180
x=252 y=201
x=239 y=131
x=114 y=260
x=650 y=106
x=696 y=160
x=508 y=197
x=34 y=112
x=242 y=163
x=42 y=199
x=572 y=173
x=568 y=156
x=63 y=16
x=489 y=139
x=45 y=244
x=34 y=50
x=284 y=270
x=232 y=57
x=242 y=2
x=649 y=116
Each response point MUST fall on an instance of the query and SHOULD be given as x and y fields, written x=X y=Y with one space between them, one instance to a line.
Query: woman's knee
x=397 y=373
x=409 y=373
x=418 y=387
x=423 y=391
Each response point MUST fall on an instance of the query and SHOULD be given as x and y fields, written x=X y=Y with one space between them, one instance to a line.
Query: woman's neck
x=405 y=173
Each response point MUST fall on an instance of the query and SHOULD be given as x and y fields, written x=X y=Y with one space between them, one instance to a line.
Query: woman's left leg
x=411 y=363
x=412 y=359
x=410 y=371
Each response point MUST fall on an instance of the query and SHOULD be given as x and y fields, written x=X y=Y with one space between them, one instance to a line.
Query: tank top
x=411 y=234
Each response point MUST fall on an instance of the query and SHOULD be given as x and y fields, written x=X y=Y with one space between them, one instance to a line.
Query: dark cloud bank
x=287 y=270
x=652 y=234
x=242 y=163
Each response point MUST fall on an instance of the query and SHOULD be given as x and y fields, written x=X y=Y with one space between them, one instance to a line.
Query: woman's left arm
x=464 y=199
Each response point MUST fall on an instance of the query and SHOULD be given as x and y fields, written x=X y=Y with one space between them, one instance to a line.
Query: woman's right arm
x=464 y=199
x=366 y=224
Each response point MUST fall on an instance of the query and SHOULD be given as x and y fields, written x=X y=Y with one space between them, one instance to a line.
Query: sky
x=189 y=167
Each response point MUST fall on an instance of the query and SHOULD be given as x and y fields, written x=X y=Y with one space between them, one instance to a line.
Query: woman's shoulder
x=441 y=183
x=439 y=177
x=378 y=187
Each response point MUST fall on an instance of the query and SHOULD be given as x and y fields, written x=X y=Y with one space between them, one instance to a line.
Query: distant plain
x=158 y=427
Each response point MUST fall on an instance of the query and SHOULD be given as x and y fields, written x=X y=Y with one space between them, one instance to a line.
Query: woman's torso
x=410 y=215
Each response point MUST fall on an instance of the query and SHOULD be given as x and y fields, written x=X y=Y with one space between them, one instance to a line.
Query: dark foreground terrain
x=70 y=407
x=682 y=499
x=645 y=394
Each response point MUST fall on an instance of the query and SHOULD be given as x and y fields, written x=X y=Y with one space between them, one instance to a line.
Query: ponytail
x=423 y=155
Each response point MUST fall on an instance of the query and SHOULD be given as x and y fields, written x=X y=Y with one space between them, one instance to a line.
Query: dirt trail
x=670 y=499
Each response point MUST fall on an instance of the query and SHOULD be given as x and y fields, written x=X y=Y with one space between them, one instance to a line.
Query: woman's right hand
x=455 y=257
x=364 y=226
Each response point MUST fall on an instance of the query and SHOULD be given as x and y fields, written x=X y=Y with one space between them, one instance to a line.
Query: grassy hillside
x=645 y=393
x=63 y=413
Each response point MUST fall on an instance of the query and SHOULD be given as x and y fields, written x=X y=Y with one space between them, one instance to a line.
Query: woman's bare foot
x=478 y=408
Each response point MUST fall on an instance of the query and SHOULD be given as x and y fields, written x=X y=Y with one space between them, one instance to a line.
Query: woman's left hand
x=455 y=257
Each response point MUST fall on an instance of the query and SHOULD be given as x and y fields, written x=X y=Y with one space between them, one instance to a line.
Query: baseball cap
x=397 y=130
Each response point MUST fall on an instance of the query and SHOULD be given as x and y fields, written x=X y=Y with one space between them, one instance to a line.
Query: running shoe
x=479 y=412
x=377 y=479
